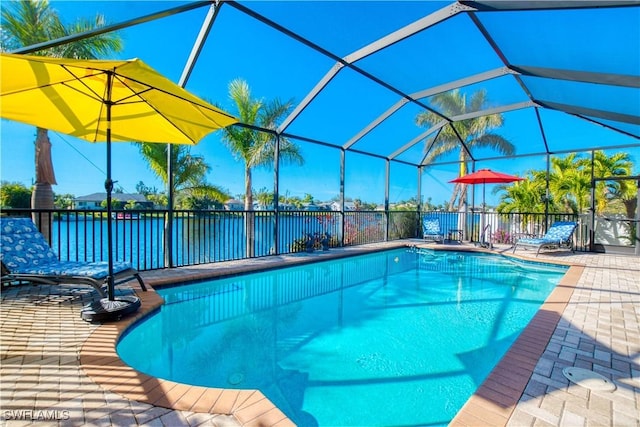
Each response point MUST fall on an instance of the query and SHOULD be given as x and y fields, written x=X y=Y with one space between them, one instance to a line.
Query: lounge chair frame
x=551 y=240
x=123 y=273
x=98 y=285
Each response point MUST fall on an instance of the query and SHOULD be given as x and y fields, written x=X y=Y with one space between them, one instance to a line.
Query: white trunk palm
x=475 y=133
x=255 y=148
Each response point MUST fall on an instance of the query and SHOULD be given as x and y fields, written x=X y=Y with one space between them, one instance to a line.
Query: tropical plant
x=570 y=187
x=476 y=133
x=14 y=195
x=524 y=197
x=616 y=196
x=403 y=225
x=28 y=22
x=189 y=173
x=158 y=199
x=569 y=183
x=253 y=147
x=115 y=204
x=628 y=195
x=615 y=165
x=141 y=188
x=264 y=197
x=132 y=204
x=200 y=203
x=63 y=201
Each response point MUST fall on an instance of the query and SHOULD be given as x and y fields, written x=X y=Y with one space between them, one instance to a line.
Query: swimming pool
x=399 y=337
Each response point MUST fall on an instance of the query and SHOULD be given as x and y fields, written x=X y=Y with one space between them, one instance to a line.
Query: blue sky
x=275 y=66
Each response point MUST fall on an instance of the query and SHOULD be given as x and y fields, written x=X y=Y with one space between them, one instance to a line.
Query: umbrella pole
x=109 y=308
x=108 y=186
x=484 y=193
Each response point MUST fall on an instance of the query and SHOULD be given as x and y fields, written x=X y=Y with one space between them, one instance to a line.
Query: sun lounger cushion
x=431 y=229
x=24 y=252
x=559 y=235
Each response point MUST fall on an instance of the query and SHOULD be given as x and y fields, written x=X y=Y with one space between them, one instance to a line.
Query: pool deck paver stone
x=57 y=369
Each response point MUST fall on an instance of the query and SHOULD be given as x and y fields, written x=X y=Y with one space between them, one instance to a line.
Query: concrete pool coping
x=493 y=403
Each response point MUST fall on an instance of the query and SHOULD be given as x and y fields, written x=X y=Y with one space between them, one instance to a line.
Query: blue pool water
x=399 y=337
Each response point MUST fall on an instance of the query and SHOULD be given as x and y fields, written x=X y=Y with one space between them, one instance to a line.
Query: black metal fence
x=199 y=237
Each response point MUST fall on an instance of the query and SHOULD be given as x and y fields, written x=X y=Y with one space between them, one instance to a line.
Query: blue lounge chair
x=431 y=229
x=558 y=236
x=26 y=256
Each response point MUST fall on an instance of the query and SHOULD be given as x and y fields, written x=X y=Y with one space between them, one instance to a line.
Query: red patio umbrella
x=484 y=176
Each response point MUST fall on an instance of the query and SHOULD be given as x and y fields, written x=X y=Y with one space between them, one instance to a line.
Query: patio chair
x=431 y=229
x=558 y=236
x=26 y=256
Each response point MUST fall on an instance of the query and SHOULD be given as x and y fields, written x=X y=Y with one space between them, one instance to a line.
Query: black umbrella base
x=105 y=310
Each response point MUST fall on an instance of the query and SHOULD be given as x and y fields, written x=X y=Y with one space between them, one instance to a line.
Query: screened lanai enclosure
x=390 y=101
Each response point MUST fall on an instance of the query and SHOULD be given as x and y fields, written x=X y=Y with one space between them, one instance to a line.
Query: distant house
x=286 y=207
x=257 y=206
x=94 y=201
x=234 y=205
x=348 y=206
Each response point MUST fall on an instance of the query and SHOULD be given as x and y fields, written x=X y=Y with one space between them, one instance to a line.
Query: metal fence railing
x=199 y=237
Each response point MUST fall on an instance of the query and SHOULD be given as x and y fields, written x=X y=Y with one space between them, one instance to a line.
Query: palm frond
x=451 y=103
x=495 y=142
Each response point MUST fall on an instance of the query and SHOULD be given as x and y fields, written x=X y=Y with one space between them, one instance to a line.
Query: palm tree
x=616 y=165
x=562 y=171
x=189 y=171
x=264 y=197
x=28 y=22
x=476 y=133
x=255 y=148
x=569 y=183
x=628 y=195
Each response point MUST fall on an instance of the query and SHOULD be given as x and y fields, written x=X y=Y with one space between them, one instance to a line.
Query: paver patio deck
x=57 y=369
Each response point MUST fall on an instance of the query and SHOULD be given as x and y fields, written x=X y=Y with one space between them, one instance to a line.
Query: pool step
x=293 y=343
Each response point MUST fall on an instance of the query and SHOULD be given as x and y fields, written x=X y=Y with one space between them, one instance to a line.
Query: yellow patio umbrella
x=104 y=101
x=72 y=97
